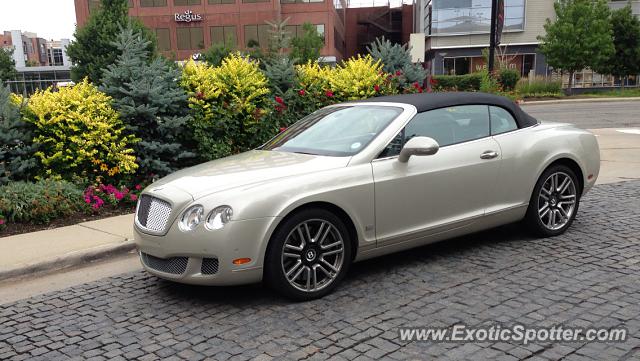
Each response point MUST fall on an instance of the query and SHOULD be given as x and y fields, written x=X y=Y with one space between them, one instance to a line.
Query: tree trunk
x=570 y=90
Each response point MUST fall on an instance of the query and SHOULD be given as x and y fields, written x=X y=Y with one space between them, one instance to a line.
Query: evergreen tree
x=397 y=58
x=7 y=65
x=579 y=38
x=279 y=37
x=94 y=50
x=17 y=160
x=307 y=47
x=281 y=74
x=146 y=93
x=625 y=60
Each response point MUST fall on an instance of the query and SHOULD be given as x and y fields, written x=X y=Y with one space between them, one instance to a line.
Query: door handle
x=490 y=154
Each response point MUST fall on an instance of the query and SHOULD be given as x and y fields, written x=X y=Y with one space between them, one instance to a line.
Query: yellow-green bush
x=360 y=78
x=313 y=77
x=80 y=134
x=229 y=104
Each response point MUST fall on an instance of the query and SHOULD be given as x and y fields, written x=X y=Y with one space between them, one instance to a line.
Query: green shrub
x=508 y=78
x=17 y=160
x=396 y=59
x=539 y=87
x=39 y=202
x=467 y=82
x=229 y=104
x=80 y=135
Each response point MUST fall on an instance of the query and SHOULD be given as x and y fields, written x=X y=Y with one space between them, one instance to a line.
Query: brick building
x=187 y=27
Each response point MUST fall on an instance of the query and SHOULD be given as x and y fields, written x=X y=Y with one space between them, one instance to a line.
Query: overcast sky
x=50 y=19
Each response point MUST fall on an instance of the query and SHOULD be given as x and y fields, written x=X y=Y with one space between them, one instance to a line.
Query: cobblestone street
x=588 y=277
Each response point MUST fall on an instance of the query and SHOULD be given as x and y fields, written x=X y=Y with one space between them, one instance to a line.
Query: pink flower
x=96 y=206
x=329 y=93
x=134 y=197
x=1 y=221
x=302 y=92
x=398 y=73
x=279 y=100
x=138 y=187
x=118 y=195
x=282 y=129
x=376 y=88
x=87 y=200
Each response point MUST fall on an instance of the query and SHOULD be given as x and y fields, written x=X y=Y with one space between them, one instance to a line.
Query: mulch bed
x=19 y=228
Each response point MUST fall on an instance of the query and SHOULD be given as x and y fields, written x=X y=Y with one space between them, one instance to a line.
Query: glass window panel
x=263 y=35
x=197 y=38
x=450 y=125
x=449 y=66
x=501 y=121
x=462 y=66
x=217 y=35
x=184 y=38
x=473 y=16
x=250 y=35
x=164 y=39
x=230 y=37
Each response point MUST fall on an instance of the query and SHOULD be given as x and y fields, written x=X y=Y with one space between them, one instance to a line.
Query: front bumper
x=178 y=256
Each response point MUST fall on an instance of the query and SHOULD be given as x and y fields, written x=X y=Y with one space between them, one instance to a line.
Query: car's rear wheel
x=308 y=255
x=554 y=202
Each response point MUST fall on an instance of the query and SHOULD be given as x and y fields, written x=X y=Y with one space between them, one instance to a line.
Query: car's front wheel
x=554 y=202
x=308 y=255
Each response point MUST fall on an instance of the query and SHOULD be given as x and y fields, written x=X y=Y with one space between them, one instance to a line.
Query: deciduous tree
x=94 y=49
x=579 y=38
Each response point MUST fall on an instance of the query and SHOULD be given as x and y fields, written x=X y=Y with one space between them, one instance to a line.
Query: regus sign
x=187 y=17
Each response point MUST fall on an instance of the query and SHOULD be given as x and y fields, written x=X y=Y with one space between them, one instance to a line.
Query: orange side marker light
x=239 y=261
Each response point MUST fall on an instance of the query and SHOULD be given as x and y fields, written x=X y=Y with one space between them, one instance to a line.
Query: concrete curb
x=581 y=100
x=70 y=259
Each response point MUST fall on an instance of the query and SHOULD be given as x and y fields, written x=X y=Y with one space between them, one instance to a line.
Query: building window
x=224 y=35
x=186 y=2
x=190 y=38
x=295 y=31
x=255 y=1
x=54 y=56
x=152 y=3
x=256 y=36
x=164 y=39
x=217 y=2
x=473 y=16
x=457 y=66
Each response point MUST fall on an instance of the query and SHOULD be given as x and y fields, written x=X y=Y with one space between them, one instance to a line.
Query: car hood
x=246 y=169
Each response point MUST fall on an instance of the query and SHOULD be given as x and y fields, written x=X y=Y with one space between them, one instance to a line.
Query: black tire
x=276 y=261
x=540 y=225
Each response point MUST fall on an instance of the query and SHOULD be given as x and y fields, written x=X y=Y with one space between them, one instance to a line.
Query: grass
x=612 y=93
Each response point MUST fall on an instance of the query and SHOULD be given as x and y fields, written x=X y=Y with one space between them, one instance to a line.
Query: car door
x=430 y=194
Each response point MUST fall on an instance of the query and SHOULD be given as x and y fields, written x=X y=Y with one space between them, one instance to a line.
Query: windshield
x=335 y=131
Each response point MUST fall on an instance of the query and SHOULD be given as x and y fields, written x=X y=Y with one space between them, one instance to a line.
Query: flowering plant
x=97 y=196
x=2 y=222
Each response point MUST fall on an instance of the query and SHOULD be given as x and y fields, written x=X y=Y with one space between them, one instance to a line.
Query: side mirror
x=418 y=146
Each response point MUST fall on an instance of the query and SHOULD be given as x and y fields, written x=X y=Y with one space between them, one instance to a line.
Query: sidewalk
x=62 y=247
x=581 y=100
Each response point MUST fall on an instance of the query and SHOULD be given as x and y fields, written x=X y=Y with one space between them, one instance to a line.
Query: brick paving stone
x=587 y=277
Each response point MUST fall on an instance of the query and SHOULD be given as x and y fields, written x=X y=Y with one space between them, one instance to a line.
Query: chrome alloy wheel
x=312 y=255
x=557 y=200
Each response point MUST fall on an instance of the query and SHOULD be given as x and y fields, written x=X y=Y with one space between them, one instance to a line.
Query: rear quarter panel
x=527 y=152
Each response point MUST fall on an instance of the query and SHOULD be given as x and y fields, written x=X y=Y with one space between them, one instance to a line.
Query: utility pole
x=492 y=40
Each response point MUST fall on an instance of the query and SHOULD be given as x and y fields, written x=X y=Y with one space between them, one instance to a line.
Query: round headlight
x=191 y=218
x=218 y=217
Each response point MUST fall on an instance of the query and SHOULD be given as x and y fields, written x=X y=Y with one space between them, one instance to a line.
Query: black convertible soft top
x=430 y=101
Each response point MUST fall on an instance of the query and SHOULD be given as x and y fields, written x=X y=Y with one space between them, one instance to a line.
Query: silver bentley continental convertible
x=359 y=180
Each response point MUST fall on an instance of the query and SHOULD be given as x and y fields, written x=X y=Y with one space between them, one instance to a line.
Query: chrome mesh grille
x=153 y=213
x=209 y=266
x=173 y=265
